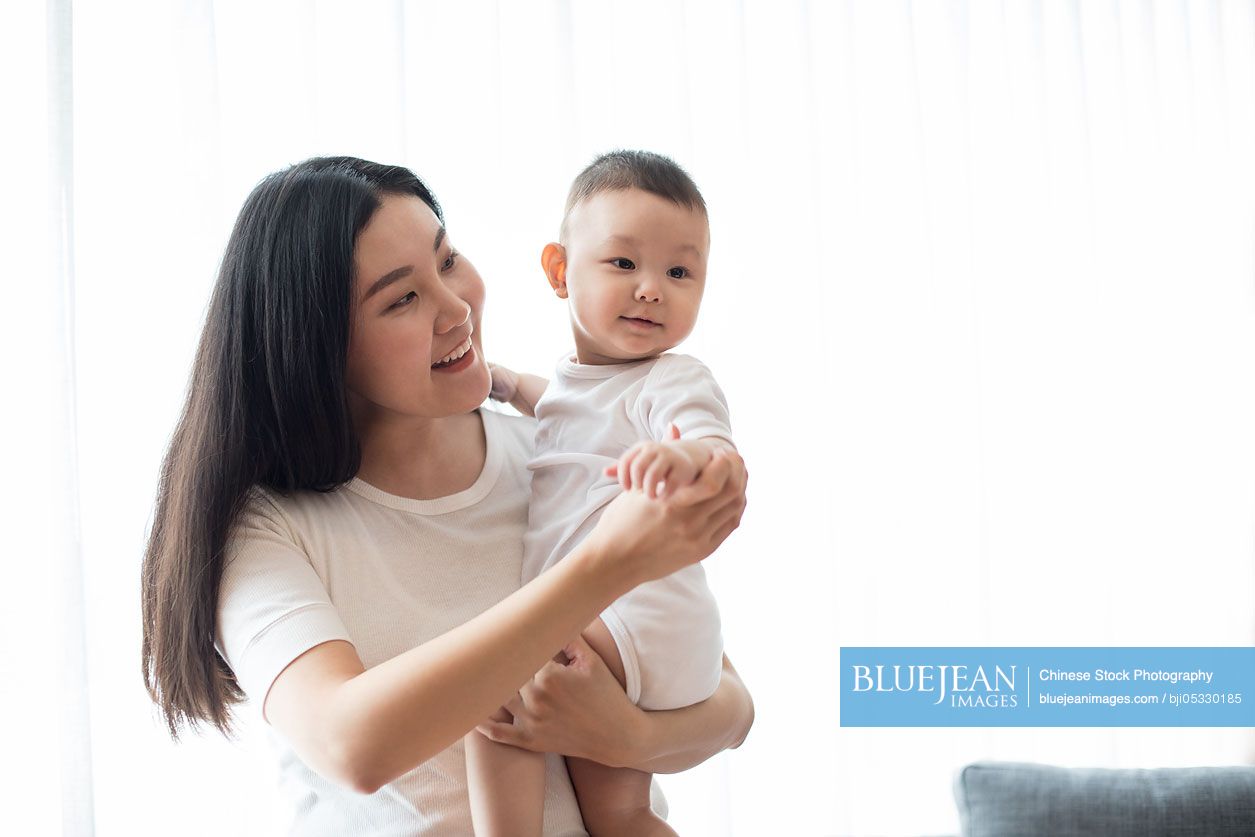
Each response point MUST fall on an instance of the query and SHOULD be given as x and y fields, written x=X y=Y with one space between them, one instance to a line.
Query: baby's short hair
x=644 y=170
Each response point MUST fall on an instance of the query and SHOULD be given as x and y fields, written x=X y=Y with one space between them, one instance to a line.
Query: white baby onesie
x=667 y=631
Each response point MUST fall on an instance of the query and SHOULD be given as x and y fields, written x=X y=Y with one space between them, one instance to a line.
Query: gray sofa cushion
x=1008 y=799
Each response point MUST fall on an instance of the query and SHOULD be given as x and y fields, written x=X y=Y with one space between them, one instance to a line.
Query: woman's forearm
x=389 y=719
x=396 y=715
x=674 y=740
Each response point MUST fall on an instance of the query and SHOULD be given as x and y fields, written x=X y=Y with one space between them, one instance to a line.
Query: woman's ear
x=553 y=260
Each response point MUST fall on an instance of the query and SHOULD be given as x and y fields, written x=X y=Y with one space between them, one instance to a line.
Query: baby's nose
x=648 y=291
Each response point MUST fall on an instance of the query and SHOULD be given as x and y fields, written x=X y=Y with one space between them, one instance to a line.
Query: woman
x=337 y=531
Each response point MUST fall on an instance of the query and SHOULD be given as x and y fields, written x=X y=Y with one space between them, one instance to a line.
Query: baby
x=619 y=415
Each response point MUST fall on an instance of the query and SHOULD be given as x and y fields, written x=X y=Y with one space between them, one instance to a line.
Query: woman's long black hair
x=266 y=405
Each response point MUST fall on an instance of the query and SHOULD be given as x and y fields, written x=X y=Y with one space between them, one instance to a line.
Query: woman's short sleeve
x=272 y=606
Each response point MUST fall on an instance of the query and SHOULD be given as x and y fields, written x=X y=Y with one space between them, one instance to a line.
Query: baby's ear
x=553 y=260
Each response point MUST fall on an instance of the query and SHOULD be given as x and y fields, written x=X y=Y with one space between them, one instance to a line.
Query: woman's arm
x=364 y=727
x=368 y=727
x=579 y=709
x=675 y=740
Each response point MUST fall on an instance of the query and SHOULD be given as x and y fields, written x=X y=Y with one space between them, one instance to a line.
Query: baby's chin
x=622 y=351
x=625 y=352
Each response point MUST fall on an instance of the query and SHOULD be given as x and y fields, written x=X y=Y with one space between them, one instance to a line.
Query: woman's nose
x=454 y=312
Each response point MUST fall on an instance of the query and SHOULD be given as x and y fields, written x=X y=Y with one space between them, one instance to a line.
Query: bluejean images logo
x=963 y=686
x=1047 y=686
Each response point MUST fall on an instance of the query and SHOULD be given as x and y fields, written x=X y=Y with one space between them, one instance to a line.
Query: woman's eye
x=405 y=300
x=623 y=264
x=678 y=272
x=449 y=262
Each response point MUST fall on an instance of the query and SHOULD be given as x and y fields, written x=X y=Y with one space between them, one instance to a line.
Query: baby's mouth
x=643 y=321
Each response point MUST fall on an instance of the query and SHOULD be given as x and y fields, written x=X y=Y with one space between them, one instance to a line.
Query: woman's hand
x=649 y=539
x=580 y=710
x=576 y=709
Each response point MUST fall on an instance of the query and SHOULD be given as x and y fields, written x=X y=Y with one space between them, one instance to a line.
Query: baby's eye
x=623 y=264
x=678 y=272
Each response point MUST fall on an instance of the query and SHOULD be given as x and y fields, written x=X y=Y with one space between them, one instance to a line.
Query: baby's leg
x=507 y=786
x=613 y=800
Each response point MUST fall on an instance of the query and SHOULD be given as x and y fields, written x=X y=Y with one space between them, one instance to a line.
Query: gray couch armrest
x=1009 y=799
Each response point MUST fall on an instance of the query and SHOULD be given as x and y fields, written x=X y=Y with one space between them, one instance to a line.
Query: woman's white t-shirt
x=387 y=574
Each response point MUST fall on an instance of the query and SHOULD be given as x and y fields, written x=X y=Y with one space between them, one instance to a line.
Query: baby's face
x=635 y=272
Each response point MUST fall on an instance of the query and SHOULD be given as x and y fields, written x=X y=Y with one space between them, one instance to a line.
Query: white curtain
x=47 y=769
x=982 y=297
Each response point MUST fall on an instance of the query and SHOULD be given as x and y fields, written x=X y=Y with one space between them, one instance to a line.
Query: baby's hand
x=518 y=389
x=505 y=383
x=646 y=465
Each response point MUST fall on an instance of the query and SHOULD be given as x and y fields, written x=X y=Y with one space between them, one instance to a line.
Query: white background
x=982 y=297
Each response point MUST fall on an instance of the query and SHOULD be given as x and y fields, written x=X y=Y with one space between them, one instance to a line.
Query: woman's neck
x=422 y=458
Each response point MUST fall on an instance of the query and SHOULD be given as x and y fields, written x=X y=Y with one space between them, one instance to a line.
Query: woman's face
x=416 y=303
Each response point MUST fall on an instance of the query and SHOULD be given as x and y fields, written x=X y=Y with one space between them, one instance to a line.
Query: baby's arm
x=674 y=462
x=518 y=389
x=680 y=392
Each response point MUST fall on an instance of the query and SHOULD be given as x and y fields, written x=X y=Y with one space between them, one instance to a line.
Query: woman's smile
x=462 y=349
x=459 y=362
